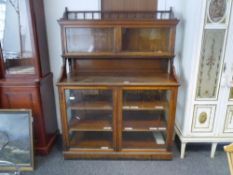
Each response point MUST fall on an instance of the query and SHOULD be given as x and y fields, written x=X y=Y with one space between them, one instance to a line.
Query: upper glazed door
x=89 y=40
x=16 y=36
x=148 y=40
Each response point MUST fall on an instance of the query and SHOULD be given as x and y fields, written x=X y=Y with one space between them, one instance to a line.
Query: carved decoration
x=217 y=11
x=203 y=117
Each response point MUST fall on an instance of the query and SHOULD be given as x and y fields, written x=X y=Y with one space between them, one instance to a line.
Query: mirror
x=15 y=37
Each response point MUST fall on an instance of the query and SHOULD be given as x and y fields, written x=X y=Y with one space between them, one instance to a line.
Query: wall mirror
x=16 y=37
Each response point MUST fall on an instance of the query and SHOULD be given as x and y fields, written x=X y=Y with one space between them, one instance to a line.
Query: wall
x=178 y=7
x=54 y=11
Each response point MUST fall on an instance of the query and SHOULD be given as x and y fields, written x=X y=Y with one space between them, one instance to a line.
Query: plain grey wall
x=53 y=11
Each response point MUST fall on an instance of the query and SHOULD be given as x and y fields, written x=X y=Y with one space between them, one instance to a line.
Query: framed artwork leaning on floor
x=16 y=139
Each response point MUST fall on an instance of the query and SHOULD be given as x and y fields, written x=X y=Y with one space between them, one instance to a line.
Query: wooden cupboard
x=25 y=78
x=118 y=87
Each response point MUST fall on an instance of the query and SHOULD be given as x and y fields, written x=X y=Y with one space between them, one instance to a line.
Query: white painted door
x=214 y=72
x=225 y=110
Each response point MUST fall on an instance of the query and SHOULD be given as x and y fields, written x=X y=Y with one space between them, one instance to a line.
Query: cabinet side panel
x=2 y=69
x=39 y=17
x=48 y=104
x=188 y=62
x=25 y=98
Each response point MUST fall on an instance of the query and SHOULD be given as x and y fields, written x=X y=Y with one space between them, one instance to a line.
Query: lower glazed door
x=90 y=119
x=145 y=119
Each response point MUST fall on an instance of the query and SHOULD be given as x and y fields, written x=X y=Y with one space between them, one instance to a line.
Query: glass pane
x=90 y=39
x=90 y=118
x=231 y=94
x=210 y=63
x=145 y=114
x=146 y=40
x=16 y=38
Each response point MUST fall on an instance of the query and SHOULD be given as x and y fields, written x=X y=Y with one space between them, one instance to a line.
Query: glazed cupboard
x=26 y=81
x=118 y=86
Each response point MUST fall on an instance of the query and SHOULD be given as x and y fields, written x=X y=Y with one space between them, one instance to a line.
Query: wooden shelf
x=140 y=123
x=91 y=123
x=142 y=140
x=92 y=140
x=160 y=79
x=92 y=105
x=144 y=105
x=122 y=55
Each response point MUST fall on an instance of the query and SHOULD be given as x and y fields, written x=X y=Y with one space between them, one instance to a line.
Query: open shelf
x=92 y=122
x=160 y=79
x=143 y=140
x=91 y=140
x=92 y=105
x=143 y=122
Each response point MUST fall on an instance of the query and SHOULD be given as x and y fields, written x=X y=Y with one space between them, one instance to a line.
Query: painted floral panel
x=217 y=11
x=210 y=64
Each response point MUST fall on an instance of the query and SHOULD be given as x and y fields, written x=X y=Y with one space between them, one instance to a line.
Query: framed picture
x=16 y=140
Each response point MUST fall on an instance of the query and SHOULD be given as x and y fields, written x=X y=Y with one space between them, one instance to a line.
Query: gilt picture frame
x=16 y=139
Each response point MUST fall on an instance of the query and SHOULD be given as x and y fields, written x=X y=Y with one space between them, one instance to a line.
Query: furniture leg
x=213 y=149
x=183 y=147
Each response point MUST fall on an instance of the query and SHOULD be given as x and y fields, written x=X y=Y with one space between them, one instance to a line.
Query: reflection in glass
x=146 y=40
x=16 y=39
x=89 y=40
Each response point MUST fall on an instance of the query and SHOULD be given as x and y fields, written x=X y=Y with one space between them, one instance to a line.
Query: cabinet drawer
x=203 y=118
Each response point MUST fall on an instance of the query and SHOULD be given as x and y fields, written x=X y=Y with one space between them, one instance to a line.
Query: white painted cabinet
x=205 y=101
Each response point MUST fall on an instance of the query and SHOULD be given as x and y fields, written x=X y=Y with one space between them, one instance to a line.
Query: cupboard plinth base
x=45 y=150
x=119 y=155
